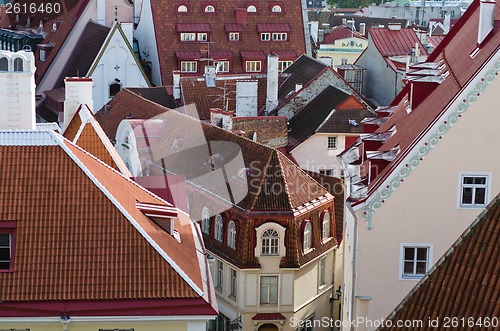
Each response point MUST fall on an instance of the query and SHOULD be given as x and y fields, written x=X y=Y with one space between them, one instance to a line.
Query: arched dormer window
x=182 y=9
x=219 y=228
x=270 y=242
x=325 y=230
x=4 y=64
x=231 y=235
x=205 y=220
x=251 y=9
x=276 y=9
x=18 y=64
x=307 y=236
x=209 y=9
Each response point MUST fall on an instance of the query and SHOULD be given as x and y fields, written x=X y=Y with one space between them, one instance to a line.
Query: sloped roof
x=105 y=247
x=85 y=52
x=395 y=42
x=465 y=280
x=157 y=95
x=340 y=32
x=126 y=104
x=461 y=68
x=85 y=131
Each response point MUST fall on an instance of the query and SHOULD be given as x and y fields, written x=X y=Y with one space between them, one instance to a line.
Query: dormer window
x=307 y=244
x=209 y=9
x=251 y=9
x=205 y=221
x=325 y=231
x=231 y=235
x=276 y=9
x=182 y=9
x=5 y=251
x=270 y=242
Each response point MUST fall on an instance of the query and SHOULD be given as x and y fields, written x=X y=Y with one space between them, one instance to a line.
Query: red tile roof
x=286 y=54
x=340 y=32
x=454 y=51
x=464 y=283
x=188 y=55
x=273 y=27
x=192 y=27
x=269 y=317
x=395 y=42
x=165 y=19
x=80 y=235
x=253 y=55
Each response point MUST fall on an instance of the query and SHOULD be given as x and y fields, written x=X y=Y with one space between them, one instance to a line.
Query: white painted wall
x=424 y=208
x=146 y=36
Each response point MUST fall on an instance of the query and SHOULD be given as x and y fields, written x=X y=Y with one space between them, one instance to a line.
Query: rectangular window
x=268 y=289
x=188 y=36
x=357 y=87
x=253 y=66
x=358 y=76
x=203 y=36
x=234 y=36
x=5 y=250
x=474 y=190
x=220 y=275
x=42 y=55
x=332 y=142
x=322 y=271
x=282 y=65
x=327 y=172
x=265 y=36
x=222 y=66
x=343 y=60
x=189 y=66
x=415 y=260
x=279 y=36
x=234 y=283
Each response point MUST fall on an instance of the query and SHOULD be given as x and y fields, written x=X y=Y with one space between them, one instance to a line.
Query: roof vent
x=486 y=19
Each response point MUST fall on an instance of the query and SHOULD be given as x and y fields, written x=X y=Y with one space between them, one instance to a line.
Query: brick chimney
x=78 y=91
x=272 y=83
x=17 y=86
x=486 y=19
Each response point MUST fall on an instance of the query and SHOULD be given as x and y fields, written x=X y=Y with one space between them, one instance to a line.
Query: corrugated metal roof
x=395 y=42
x=27 y=138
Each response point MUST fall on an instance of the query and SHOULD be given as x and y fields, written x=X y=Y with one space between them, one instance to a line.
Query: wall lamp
x=338 y=294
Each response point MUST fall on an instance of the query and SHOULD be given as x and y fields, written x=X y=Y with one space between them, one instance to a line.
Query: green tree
x=352 y=3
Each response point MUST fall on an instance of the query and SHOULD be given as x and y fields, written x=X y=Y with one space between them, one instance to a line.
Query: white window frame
x=307 y=242
x=231 y=235
x=9 y=248
x=332 y=142
x=343 y=61
x=222 y=66
x=413 y=276
x=322 y=272
x=282 y=65
x=234 y=36
x=189 y=66
x=265 y=36
x=253 y=66
x=268 y=301
x=42 y=55
x=188 y=36
x=205 y=220
x=209 y=9
x=233 y=289
x=202 y=36
x=220 y=276
x=280 y=36
x=276 y=9
x=461 y=187
x=219 y=228
x=251 y=9
x=325 y=226
x=182 y=9
x=270 y=243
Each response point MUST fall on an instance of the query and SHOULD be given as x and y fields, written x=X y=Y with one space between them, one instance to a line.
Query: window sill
x=326 y=240
x=472 y=206
x=411 y=277
x=232 y=297
x=307 y=251
x=218 y=289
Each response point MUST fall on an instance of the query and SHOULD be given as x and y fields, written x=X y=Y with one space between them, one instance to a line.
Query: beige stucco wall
x=342 y=49
x=424 y=208
x=95 y=326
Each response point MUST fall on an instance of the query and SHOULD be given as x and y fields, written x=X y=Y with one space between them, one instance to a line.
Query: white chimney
x=394 y=26
x=17 y=86
x=486 y=19
x=101 y=12
x=446 y=24
x=362 y=28
x=272 y=83
x=176 y=75
x=246 y=98
x=77 y=91
x=314 y=28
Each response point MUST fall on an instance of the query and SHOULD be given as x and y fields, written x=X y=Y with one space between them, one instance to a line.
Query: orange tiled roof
x=465 y=281
x=80 y=235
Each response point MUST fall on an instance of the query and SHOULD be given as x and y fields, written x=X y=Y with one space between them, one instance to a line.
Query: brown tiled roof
x=79 y=233
x=338 y=122
x=303 y=70
x=159 y=95
x=464 y=283
x=165 y=19
x=84 y=131
x=126 y=104
x=85 y=52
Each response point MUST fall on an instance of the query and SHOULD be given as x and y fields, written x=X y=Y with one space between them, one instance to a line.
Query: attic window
x=209 y=9
x=161 y=215
x=182 y=9
x=251 y=9
x=7 y=246
x=276 y=9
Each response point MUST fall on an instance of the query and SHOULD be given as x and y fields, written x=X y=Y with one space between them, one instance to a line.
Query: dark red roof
x=220 y=55
x=340 y=32
x=286 y=54
x=253 y=55
x=273 y=27
x=192 y=27
x=395 y=42
x=187 y=55
x=464 y=282
x=233 y=27
x=269 y=317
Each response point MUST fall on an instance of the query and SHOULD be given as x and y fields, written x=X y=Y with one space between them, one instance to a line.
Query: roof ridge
x=118 y=205
x=283 y=177
x=262 y=180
